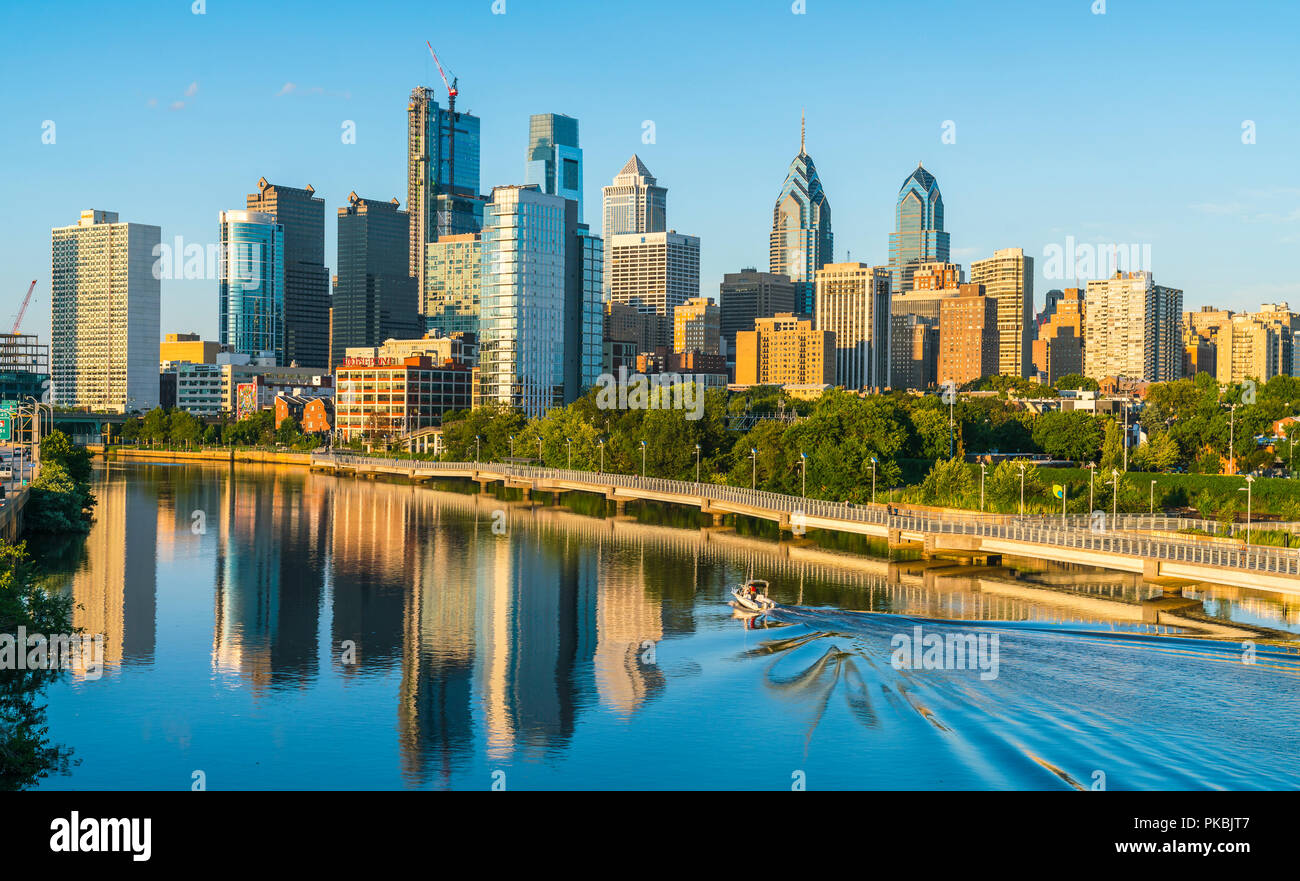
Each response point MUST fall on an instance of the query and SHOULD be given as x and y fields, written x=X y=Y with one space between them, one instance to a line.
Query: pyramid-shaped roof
x=636 y=166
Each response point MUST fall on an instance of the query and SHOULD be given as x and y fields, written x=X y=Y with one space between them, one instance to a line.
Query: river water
x=270 y=628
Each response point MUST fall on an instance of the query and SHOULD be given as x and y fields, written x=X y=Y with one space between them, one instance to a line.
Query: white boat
x=752 y=595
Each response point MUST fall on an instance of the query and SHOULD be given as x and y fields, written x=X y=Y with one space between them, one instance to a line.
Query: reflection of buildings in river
x=375 y=547
x=537 y=611
x=115 y=591
x=269 y=577
x=435 y=718
x=628 y=622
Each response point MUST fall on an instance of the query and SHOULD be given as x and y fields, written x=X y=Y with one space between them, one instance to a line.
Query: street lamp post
x=1022 y=489
x=539 y=450
x=1153 y=498
x=643 y=459
x=1114 y=508
x=983 y=470
x=803 y=461
x=1246 y=490
x=602 y=455
x=476 y=448
x=753 y=458
x=512 y=446
x=568 y=442
x=873 y=480
x=697 y=463
x=1092 y=472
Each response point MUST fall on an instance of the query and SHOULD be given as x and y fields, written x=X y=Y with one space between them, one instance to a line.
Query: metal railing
x=1077 y=533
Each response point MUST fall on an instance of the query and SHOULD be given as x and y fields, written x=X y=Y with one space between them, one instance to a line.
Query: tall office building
x=852 y=302
x=105 y=299
x=450 y=301
x=554 y=159
x=749 y=294
x=1132 y=329
x=540 y=318
x=306 y=279
x=633 y=203
x=914 y=324
x=696 y=326
x=250 y=292
x=801 y=241
x=918 y=235
x=655 y=272
x=1058 y=350
x=968 y=336
x=437 y=204
x=785 y=350
x=1008 y=277
x=375 y=297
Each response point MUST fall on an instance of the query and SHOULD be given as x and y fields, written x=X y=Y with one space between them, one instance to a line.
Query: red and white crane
x=451 y=122
x=23 y=309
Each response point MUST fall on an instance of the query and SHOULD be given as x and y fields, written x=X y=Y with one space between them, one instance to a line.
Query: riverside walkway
x=1141 y=545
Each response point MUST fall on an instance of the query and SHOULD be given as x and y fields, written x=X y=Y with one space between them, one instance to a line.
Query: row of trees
x=899 y=437
x=179 y=428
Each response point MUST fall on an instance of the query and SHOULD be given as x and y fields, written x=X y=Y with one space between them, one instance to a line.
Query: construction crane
x=451 y=122
x=23 y=309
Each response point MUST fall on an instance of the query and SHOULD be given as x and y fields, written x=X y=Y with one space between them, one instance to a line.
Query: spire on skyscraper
x=803 y=118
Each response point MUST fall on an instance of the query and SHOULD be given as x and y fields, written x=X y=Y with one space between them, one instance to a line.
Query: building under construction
x=24 y=367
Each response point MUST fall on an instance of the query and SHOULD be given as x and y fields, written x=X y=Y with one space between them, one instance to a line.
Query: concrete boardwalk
x=1153 y=554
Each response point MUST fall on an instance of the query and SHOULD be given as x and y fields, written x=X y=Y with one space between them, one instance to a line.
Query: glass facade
x=918 y=235
x=375 y=297
x=251 y=287
x=801 y=240
x=452 y=285
x=554 y=160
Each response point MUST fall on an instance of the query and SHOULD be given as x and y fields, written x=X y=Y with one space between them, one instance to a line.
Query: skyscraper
x=1132 y=328
x=749 y=294
x=801 y=241
x=540 y=316
x=852 y=302
x=250 y=292
x=306 y=279
x=554 y=160
x=655 y=272
x=375 y=297
x=918 y=235
x=634 y=202
x=105 y=298
x=968 y=336
x=437 y=204
x=1008 y=277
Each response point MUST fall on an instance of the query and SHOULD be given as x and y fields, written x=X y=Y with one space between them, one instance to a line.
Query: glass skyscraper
x=251 y=287
x=540 y=317
x=554 y=160
x=918 y=235
x=801 y=241
x=437 y=204
x=306 y=280
x=374 y=298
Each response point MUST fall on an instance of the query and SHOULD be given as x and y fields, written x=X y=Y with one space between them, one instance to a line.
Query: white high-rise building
x=852 y=300
x=634 y=202
x=104 y=314
x=655 y=273
x=1132 y=328
x=540 y=303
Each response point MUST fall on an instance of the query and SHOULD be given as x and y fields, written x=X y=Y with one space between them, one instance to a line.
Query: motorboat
x=752 y=595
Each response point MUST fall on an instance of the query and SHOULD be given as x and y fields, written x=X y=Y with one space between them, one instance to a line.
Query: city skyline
x=1215 y=196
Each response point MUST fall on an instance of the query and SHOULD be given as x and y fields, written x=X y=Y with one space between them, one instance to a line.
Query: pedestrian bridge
x=1130 y=545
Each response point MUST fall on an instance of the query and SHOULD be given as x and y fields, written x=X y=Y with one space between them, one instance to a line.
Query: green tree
x=185 y=428
x=1073 y=381
x=949 y=484
x=155 y=427
x=1069 y=434
x=26 y=753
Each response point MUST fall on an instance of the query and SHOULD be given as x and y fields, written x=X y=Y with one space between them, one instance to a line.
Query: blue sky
x=1124 y=127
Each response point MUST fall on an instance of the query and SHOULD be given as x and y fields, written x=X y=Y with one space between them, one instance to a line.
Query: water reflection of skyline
x=496 y=645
